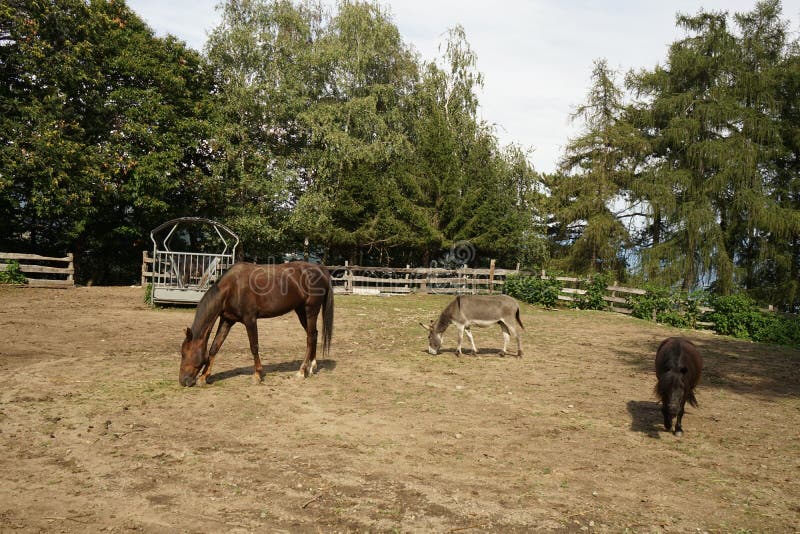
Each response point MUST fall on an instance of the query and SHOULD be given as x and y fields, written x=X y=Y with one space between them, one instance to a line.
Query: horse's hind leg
x=310 y=324
x=252 y=336
x=222 y=332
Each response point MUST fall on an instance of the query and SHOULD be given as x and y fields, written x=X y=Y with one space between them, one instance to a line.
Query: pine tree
x=590 y=191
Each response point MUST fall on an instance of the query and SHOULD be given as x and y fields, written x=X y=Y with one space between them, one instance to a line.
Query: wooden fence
x=616 y=298
x=358 y=280
x=42 y=271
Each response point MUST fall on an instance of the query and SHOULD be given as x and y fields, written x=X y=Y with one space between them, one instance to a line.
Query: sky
x=536 y=56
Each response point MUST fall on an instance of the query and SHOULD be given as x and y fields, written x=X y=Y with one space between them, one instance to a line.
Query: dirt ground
x=97 y=435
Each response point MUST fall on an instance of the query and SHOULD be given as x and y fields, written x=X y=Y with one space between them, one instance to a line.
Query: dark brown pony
x=678 y=369
x=247 y=292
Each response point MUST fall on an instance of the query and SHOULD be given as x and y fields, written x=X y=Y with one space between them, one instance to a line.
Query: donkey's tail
x=519 y=321
x=327 y=320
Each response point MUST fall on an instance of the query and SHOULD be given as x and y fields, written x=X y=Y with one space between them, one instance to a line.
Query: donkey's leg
x=252 y=336
x=460 y=329
x=506 y=337
x=222 y=332
x=468 y=331
x=310 y=361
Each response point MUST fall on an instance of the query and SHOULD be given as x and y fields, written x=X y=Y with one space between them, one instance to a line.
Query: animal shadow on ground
x=481 y=352
x=280 y=367
x=646 y=417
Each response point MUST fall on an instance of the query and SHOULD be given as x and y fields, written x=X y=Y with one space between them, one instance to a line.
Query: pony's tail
x=519 y=321
x=327 y=321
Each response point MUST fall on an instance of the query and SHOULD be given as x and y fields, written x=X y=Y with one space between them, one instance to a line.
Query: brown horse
x=247 y=292
x=678 y=369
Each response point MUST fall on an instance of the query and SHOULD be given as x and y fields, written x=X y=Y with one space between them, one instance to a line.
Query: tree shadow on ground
x=281 y=367
x=732 y=364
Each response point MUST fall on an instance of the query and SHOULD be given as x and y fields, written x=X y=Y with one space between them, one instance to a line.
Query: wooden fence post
x=70 y=266
x=144 y=268
x=491 y=276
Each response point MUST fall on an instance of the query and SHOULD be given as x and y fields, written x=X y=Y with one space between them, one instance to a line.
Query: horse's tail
x=327 y=320
x=519 y=321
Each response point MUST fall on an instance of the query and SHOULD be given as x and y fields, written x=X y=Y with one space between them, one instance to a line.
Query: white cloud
x=536 y=55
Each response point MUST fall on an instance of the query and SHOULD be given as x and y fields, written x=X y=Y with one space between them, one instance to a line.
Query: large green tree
x=101 y=132
x=712 y=117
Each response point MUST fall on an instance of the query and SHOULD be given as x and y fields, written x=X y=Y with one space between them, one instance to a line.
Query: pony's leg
x=310 y=361
x=667 y=418
x=222 y=332
x=252 y=335
x=468 y=331
x=678 y=427
x=460 y=329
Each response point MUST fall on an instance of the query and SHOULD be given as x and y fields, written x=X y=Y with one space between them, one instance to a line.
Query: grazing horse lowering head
x=193 y=358
x=678 y=369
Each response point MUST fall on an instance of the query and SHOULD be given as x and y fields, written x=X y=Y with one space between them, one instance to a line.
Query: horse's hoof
x=257 y=379
x=678 y=433
x=502 y=353
x=201 y=381
x=300 y=374
x=519 y=354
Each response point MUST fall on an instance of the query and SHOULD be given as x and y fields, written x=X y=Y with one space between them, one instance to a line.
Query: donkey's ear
x=188 y=333
x=425 y=327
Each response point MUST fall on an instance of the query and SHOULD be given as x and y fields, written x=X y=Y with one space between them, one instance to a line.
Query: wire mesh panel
x=184 y=276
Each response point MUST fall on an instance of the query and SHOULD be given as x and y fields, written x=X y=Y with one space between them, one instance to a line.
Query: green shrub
x=533 y=289
x=739 y=316
x=595 y=291
x=148 y=294
x=668 y=306
x=12 y=274
x=734 y=315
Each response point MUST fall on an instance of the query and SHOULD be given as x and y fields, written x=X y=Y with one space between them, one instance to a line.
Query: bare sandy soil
x=97 y=435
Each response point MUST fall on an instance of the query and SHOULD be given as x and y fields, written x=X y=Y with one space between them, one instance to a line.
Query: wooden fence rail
x=360 y=280
x=33 y=269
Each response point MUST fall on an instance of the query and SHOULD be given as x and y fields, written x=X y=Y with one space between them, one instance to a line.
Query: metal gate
x=183 y=276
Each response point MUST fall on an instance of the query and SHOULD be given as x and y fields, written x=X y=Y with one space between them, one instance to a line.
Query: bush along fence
x=36 y=271
x=734 y=315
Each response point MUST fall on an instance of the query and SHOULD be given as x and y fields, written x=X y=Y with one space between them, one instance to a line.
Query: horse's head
x=434 y=339
x=193 y=358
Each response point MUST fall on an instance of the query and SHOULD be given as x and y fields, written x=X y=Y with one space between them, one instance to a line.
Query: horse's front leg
x=310 y=324
x=252 y=336
x=222 y=332
x=460 y=329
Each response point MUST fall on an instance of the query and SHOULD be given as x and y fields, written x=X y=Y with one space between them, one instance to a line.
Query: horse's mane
x=207 y=308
